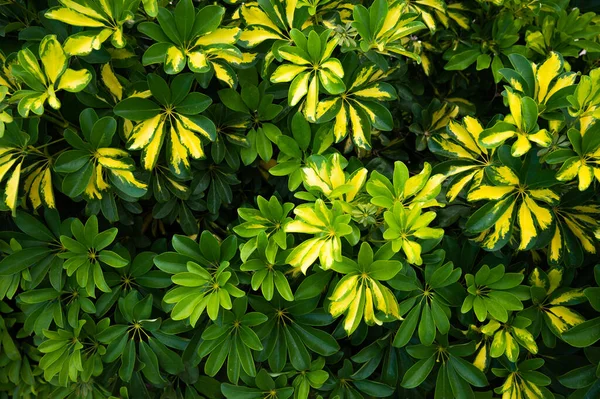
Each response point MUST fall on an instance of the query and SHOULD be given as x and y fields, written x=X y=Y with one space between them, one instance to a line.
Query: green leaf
x=584 y=334
x=415 y=375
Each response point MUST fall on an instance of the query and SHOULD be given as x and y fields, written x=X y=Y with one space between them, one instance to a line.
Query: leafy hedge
x=299 y=199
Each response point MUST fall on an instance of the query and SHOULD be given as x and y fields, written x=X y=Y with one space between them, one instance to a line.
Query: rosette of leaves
x=384 y=29
x=231 y=338
x=455 y=375
x=93 y=160
x=548 y=85
x=418 y=190
x=200 y=275
x=292 y=332
x=493 y=292
x=270 y=218
x=257 y=107
x=360 y=294
x=262 y=386
x=314 y=377
x=138 y=275
x=577 y=228
x=105 y=18
x=468 y=160
x=584 y=104
x=174 y=118
x=522 y=124
x=550 y=313
x=497 y=40
x=433 y=119
x=357 y=109
x=140 y=343
x=408 y=230
x=507 y=337
x=310 y=67
x=44 y=83
x=196 y=38
x=325 y=174
x=21 y=156
x=583 y=160
x=263 y=263
x=523 y=379
x=86 y=252
x=519 y=194
x=62 y=306
x=33 y=254
x=427 y=306
x=62 y=354
x=216 y=181
x=231 y=138
x=328 y=226
x=347 y=384
x=73 y=354
x=565 y=31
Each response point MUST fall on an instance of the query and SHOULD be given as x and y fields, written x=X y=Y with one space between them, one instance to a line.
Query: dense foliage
x=299 y=199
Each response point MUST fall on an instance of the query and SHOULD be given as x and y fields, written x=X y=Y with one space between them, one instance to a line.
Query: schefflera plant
x=493 y=292
x=360 y=294
x=201 y=276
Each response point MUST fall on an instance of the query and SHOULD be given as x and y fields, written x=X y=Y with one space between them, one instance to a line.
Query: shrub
x=299 y=199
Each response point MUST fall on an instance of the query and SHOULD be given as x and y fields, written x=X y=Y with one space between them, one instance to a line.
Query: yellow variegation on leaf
x=53 y=75
x=104 y=18
x=328 y=226
x=360 y=295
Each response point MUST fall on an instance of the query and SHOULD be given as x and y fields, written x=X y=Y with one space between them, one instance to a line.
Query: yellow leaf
x=544 y=194
x=312 y=98
x=53 y=57
x=287 y=72
x=542 y=215
x=78 y=6
x=568 y=316
x=334 y=66
x=152 y=149
x=565 y=297
x=298 y=88
x=178 y=154
x=253 y=35
x=464 y=136
x=111 y=152
x=555 y=278
x=223 y=74
x=190 y=141
x=528 y=231
x=223 y=35
x=514 y=103
x=72 y=17
x=174 y=60
x=12 y=188
x=129 y=178
x=521 y=146
x=353 y=316
x=112 y=163
x=504 y=175
x=358 y=133
x=485 y=192
x=112 y=83
x=74 y=81
x=144 y=132
x=501 y=228
x=545 y=73
x=47 y=191
x=585 y=176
